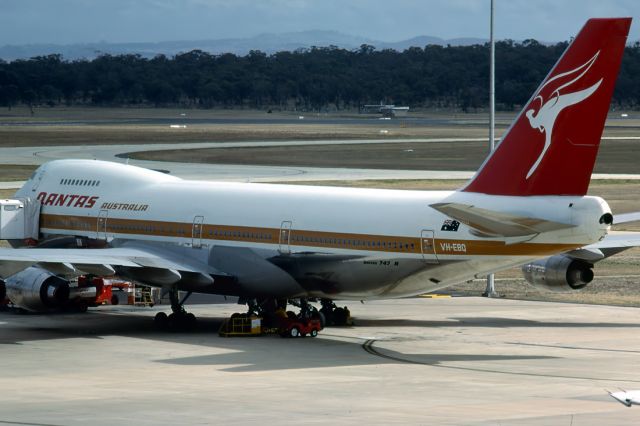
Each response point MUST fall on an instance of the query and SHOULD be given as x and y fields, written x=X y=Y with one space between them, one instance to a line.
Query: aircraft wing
x=497 y=223
x=627 y=398
x=88 y=260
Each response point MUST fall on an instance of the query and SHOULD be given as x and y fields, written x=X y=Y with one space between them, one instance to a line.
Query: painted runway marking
x=368 y=346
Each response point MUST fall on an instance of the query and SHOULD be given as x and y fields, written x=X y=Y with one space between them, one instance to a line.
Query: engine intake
x=558 y=273
x=37 y=290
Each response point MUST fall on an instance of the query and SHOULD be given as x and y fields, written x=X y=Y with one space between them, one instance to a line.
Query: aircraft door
x=196 y=232
x=428 y=246
x=101 y=230
x=284 y=239
x=37 y=178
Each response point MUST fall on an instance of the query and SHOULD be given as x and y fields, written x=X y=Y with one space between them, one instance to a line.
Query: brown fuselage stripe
x=298 y=237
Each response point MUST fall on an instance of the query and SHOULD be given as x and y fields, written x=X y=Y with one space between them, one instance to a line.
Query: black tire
x=190 y=319
x=294 y=332
x=115 y=299
x=161 y=321
x=314 y=333
x=81 y=307
x=340 y=316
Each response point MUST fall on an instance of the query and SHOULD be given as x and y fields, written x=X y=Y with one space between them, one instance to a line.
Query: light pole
x=490 y=291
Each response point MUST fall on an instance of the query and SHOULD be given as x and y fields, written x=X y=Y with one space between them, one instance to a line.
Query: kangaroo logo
x=548 y=111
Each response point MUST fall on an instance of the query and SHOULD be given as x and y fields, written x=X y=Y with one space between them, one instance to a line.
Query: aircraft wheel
x=190 y=319
x=340 y=316
x=161 y=321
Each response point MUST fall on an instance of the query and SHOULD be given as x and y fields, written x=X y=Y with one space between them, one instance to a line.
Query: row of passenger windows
x=266 y=236
x=73 y=224
x=187 y=231
x=237 y=234
x=79 y=182
x=147 y=228
x=355 y=243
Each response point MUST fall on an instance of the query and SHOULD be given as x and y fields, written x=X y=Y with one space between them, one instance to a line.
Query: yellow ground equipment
x=241 y=325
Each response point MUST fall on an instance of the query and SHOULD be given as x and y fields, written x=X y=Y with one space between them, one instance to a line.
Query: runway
x=242 y=173
x=472 y=361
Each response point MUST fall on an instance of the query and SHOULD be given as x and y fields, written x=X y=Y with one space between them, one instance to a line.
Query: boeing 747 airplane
x=269 y=244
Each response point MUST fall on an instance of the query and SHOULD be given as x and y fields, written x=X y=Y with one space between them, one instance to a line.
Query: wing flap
x=15 y=260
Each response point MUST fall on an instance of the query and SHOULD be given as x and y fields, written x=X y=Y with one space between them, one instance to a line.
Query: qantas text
x=67 y=200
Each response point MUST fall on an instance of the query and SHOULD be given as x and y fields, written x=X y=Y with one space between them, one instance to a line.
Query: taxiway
x=471 y=361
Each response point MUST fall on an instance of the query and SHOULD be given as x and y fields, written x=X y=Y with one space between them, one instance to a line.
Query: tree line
x=319 y=78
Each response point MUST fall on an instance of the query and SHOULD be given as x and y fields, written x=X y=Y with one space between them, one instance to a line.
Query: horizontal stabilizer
x=498 y=223
x=587 y=254
x=626 y=218
x=616 y=242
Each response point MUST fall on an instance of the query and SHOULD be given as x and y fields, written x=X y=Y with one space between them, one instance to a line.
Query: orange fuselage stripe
x=297 y=237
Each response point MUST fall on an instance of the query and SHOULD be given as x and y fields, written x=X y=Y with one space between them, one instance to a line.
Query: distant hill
x=268 y=43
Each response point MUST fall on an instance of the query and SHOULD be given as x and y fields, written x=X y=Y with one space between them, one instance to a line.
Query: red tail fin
x=551 y=147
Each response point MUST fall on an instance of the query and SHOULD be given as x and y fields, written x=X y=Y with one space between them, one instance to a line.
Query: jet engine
x=37 y=290
x=558 y=273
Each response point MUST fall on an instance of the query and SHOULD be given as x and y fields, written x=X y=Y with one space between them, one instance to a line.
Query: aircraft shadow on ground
x=250 y=354
x=322 y=355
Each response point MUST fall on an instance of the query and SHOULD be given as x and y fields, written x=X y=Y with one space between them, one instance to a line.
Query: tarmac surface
x=242 y=173
x=471 y=361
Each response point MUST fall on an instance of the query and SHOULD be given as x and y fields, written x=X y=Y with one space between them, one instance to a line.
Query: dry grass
x=615 y=156
x=12 y=172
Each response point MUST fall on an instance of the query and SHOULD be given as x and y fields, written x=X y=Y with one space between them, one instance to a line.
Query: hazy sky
x=78 y=21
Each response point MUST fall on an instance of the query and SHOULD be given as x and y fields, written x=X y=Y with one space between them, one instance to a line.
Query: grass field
x=11 y=172
x=615 y=156
x=85 y=126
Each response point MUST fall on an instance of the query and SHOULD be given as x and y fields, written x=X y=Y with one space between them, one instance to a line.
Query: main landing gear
x=272 y=310
x=179 y=319
x=333 y=314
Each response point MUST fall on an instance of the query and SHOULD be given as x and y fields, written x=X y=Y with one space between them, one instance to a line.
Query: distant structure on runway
x=385 y=110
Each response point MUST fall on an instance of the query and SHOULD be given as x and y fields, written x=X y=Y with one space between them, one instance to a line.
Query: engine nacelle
x=558 y=273
x=37 y=290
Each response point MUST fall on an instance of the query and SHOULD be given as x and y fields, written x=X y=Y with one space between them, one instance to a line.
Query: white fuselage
x=339 y=242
